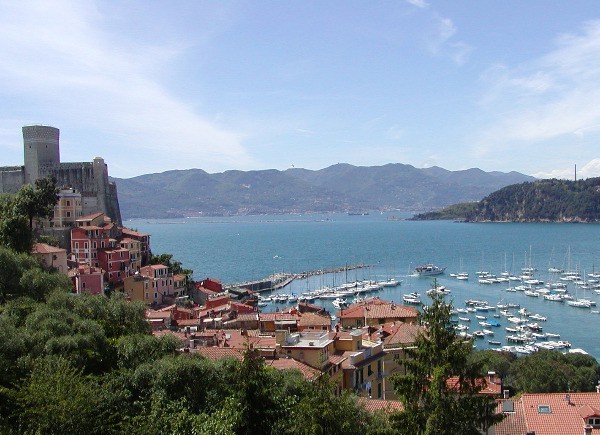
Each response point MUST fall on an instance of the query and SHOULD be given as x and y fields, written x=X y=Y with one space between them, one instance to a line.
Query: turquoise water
x=235 y=249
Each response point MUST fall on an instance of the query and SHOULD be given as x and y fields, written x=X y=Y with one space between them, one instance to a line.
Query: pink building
x=87 y=279
x=162 y=286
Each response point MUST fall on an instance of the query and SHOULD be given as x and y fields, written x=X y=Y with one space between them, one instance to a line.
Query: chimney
x=505 y=394
x=598 y=388
x=491 y=376
x=568 y=399
x=587 y=429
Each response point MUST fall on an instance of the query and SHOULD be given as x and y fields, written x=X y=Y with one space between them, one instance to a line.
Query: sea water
x=236 y=249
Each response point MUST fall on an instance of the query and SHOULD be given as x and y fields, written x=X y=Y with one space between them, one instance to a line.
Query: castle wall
x=11 y=179
x=42 y=158
x=41 y=148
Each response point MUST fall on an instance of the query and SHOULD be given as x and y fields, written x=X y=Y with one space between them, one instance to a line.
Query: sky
x=505 y=85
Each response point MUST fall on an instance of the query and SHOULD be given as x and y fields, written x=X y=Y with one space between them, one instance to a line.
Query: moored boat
x=429 y=270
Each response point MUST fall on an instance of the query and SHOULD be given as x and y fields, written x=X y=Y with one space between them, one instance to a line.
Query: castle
x=42 y=158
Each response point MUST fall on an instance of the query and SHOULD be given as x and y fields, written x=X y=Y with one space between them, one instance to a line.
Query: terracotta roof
x=492 y=387
x=291 y=364
x=247 y=317
x=373 y=405
x=313 y=320
x=561 y=413
x=336 y=358
x=395 y=334
x=377 y=309
x=514 y=421
x=152 y=314
x=188 y=322
x=276 y=316
x=89 y=217
x=43 y=248
x=132 y=232
x=217 y=353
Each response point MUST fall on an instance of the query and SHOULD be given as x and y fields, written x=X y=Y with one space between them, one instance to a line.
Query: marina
x=254 y=247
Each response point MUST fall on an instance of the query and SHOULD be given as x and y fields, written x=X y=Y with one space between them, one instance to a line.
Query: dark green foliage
x=552 y=372
x=453 y=212
x=543 y=200
x=493 y=361
x=37 y=201
x=174 y=266
x=431 y=404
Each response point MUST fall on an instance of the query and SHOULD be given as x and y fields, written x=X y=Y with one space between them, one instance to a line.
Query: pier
x=280 y=280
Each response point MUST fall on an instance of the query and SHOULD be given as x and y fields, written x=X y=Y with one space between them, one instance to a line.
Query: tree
x=174 y=266
x=548 y=371
x=440 y=388
x=14 y=230
x=38 y=200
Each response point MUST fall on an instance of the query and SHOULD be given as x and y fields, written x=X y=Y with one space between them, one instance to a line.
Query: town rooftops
x=375 y=308
x=43 y=248
x=307 y=339
x=291 y=364
x=551 y=414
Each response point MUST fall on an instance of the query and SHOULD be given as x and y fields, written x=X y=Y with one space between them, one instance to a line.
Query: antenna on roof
x=575 y=171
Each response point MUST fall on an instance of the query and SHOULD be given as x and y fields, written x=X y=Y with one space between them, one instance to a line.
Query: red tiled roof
x=217 y=353
x=565 y=416
x=313 y=320
x=89 y=217
x=132 y=232
x=492 y=387
x=43 y=248
x=188 y=322
x=373 y=405
x=514 y=422
x=152 y=314
x=377 y=309
x=291 y=364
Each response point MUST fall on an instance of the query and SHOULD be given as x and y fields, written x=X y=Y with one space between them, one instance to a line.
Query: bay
x=235 y=249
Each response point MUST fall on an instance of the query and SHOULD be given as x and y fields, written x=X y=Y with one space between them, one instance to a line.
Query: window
x=68 y=214
x=95 y=245
x=544 y=409
x=68 y=203
x=102 y=244
x=369 y=370
x=85 y=245
x=155 y=295
x=594 y=421
x=147 y=295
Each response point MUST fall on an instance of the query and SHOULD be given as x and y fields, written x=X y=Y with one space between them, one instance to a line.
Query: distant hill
x=338 y=188
x=539 y=201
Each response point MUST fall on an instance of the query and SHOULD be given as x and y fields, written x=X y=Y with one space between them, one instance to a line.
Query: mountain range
x=338 y=188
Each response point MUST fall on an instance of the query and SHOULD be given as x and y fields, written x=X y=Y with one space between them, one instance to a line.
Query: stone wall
x=11 y=179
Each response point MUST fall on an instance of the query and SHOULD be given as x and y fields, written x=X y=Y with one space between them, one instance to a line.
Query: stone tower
x=41 y=150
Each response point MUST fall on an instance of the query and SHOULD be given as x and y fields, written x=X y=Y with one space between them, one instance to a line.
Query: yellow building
x=138 y=288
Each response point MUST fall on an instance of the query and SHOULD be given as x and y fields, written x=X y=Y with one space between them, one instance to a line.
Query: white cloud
x=442 y=42
x=554 y=97
x=418 y=3
x=65 y=56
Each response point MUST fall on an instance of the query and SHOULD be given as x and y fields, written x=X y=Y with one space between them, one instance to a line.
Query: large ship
x=429 y=270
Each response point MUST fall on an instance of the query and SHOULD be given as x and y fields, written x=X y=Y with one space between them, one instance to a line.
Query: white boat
x=429 y=270
x=579 y=304
x=411 y=300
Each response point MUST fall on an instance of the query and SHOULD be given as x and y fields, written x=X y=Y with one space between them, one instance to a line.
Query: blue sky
x=153 y=86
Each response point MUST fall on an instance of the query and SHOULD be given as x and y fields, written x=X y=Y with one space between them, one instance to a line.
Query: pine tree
x=440 y=388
